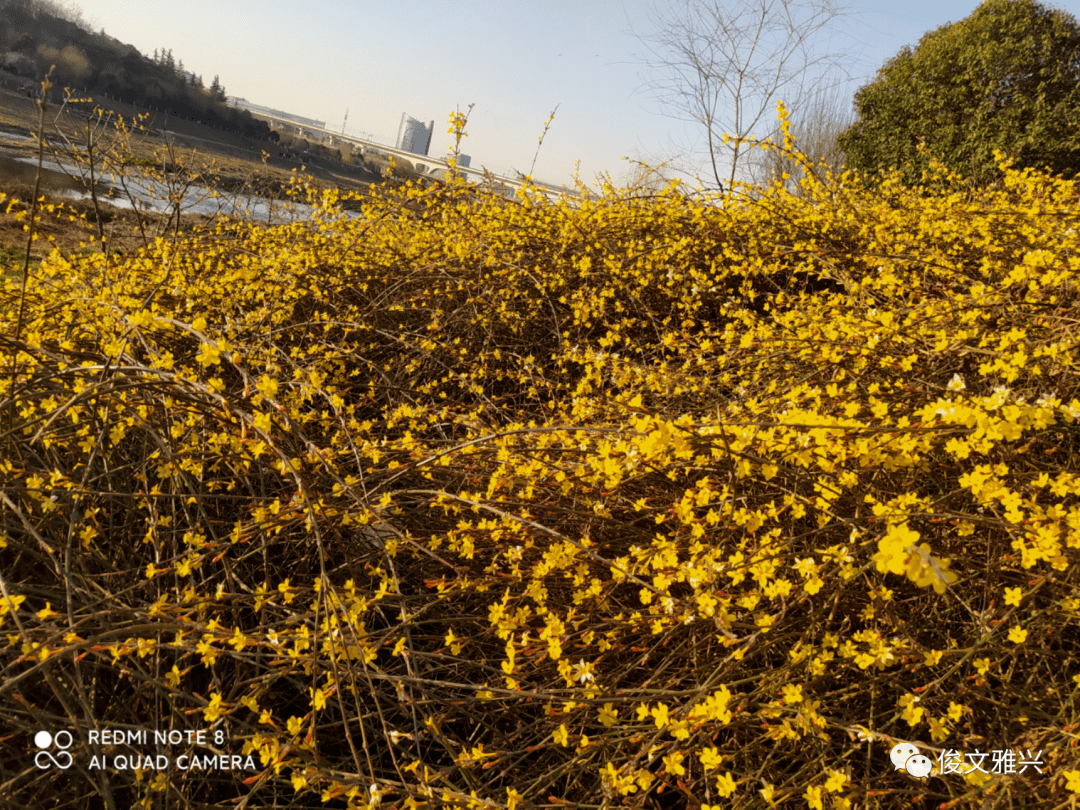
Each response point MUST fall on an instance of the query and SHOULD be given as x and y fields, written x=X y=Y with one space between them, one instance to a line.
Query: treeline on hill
x=33 y=37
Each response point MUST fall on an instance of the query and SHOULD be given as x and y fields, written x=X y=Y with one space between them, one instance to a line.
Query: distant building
x=244 y=104
x=413 y=135
x=463 y=161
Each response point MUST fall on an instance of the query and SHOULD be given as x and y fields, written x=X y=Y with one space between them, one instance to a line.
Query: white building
x=413 y=135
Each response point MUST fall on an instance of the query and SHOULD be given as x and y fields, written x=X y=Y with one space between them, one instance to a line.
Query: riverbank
x=213 y=159
x=71 y=225
x=240 y=165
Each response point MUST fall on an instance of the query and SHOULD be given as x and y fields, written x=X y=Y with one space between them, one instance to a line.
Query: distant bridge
x=423 y=160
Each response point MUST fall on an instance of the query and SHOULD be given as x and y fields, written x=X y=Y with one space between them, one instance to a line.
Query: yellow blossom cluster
x=467 y=501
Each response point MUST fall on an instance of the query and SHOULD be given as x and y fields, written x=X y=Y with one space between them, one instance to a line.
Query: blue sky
x=515 y=60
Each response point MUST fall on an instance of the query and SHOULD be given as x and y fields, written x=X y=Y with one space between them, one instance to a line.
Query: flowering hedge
x=627 y=501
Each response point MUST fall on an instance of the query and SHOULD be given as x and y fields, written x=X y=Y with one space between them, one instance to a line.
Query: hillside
x=94 y=64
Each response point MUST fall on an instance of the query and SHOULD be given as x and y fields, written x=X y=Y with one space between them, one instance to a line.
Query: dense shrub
x=1006 y=77
x=468 y=502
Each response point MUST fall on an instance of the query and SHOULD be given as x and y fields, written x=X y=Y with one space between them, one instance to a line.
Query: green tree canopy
x=1007 y=77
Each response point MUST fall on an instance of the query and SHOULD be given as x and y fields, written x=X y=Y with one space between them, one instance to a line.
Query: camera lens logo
x=44 y=740
x=907 y=756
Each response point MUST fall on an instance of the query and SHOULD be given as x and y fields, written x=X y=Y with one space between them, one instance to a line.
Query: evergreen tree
x=1006 y=77
x=217 y=91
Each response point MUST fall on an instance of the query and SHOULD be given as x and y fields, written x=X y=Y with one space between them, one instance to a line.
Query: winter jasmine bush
x=475 y=502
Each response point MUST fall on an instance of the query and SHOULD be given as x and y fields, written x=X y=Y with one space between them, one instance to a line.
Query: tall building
x=414 y=136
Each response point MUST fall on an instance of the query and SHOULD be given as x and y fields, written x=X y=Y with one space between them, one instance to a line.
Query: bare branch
x=722 y=65
x=816 y=124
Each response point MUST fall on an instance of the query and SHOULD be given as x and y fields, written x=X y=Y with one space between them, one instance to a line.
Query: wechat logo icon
x=907 y=756
x=44 y=758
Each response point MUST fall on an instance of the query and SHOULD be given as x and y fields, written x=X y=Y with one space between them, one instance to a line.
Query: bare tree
x=815 y=126
x=706 y=53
